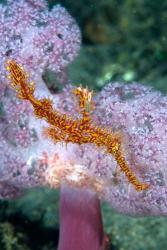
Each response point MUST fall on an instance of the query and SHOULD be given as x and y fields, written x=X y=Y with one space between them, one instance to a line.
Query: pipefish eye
x=8 y=52
x=60 y=36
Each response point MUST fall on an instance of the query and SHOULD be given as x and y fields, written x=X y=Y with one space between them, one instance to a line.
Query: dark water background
x=123 y=40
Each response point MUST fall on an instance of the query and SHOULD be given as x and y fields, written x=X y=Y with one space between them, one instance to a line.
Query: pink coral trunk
x=81 y=225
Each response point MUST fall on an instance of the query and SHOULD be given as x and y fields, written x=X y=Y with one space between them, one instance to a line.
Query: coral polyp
x=66 y=129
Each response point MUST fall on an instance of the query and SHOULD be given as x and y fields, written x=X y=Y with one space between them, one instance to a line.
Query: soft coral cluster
x=39 y=39
x=141 y=114
x=131 y=110
x=36 y=37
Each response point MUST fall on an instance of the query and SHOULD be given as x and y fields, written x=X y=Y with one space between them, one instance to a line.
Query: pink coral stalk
x=81 y=222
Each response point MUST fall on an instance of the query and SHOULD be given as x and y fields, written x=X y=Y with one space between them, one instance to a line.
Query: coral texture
x=37 y=37
x=141 y=114
x=136 y=113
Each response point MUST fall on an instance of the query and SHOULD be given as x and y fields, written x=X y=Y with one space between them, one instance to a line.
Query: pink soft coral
x=39 y=39
x=36 y=37
x=130 y=110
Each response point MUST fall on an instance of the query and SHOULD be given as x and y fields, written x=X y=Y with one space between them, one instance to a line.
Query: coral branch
x=81 y=223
